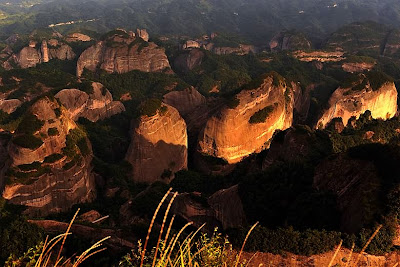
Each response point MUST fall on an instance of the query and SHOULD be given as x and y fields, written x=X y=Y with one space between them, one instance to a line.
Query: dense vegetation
x=262 y=115
x=16 y=234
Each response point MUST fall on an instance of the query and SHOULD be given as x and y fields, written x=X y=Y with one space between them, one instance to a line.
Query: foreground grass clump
x=193 y=250
x=48 y=252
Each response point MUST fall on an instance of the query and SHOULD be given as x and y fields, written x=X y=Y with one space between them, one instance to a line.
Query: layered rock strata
x=247 y=126
x=122 y=53
x=50 y=161
x=94 y=106
x=360 y=97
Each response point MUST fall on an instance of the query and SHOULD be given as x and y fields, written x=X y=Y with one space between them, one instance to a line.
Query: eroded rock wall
x=159 y=146
x=230 y=134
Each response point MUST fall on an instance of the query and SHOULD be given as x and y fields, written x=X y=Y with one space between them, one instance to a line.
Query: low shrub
x=28 y=141
x=262 y=115
x=53 y=132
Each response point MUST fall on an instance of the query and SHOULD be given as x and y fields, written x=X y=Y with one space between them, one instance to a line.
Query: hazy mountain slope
x=257 y=20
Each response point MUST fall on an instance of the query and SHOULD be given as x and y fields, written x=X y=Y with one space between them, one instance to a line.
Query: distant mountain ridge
x=255 y=20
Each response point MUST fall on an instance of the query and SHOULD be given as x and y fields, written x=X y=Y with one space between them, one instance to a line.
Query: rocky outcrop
x=116 y=242
x=222 y=209
x=94 y=106
x=4 y=159
x=122 y=53
x=249 y=123
x=10 y=105
x=78 y=37
x=51 y=161
x=241 y=49
x=185 y=101
x=289 y=40
x=320 y=56
x=159 y=145
x=302 y=101
x=350 y=179
x=142 y=33
x=298 y=144
x=32 y=55
x=187 y=61
x=190 y=44
x=357 y=66
x=324 y=259
x=359 y=97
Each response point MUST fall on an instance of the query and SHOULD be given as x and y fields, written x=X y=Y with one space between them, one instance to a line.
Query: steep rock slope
x=185 y=101
x=289 y=40
x=351 y=180
x=248 y=125
x=51 y=161
x=222 y=209
x=123 y=52
x=159 y=145
x=371 y=92
x=189 y=60
x=35 y=54
x=95 y=105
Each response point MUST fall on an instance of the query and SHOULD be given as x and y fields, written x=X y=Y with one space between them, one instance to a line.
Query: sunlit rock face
x=122 y=53
x=57 y=173
x=320 y=56
x=347 y=102
x=159 y=146
x=237 y=131
x=96 y=105
x=357 y=67
x=78 y=37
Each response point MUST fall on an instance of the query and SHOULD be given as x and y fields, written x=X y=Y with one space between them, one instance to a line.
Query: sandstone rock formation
x=297 y=144
x=392 y=45
x=159 y=145
x=78 y=37
x=302 y=101
x=116 y=242
x=357 y=66
x=224 y=209
x=142 y=33
x=241 y=50
x=321 y=56
x=186 y=101
x=350 y=179
x=289 y=40
x=51 y=161
x=190 y=44
x=4 y=159
x=187 y=61
x=122 y=53
x=32 y=55
x=9 y=105
x=241 y=130
x=324 y=259
x=360 y=97
x=94 y=106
